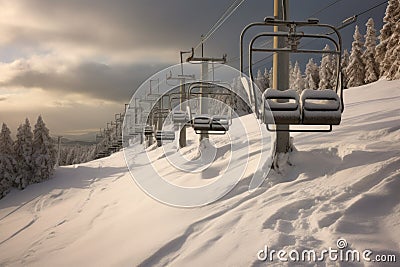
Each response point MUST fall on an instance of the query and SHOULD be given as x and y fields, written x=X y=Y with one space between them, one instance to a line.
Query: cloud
x=89 y=79
x=61 y=113
x=134 y=30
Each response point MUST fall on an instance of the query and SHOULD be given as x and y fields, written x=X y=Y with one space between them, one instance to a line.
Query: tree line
x=30 y=159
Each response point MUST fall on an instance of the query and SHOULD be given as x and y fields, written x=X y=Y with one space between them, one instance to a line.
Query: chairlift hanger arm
x=291 y=50
x=274 y=22
x=297 y=50
x=209 y=85
x=193 y=59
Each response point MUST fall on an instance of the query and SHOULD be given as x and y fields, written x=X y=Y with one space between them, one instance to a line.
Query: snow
x=342 y=184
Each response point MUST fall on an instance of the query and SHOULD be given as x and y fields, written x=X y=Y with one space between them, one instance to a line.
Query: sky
x=76 y=62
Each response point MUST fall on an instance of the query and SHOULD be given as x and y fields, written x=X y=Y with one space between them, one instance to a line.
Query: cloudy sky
x=77 y=62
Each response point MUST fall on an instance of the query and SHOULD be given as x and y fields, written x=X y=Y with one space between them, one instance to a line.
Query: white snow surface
x=344 y=184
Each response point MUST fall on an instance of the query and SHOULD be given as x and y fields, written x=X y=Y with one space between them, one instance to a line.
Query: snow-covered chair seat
x=281 y=107
x=165 y=135
x=321 y=107
x=201 y=123
x=220 y=123
x=179 y=116
x=148 y=130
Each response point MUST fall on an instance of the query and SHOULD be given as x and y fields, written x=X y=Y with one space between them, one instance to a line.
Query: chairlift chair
x=148 y=130
x=312 y=107
x=165 y=135
x=205 y=123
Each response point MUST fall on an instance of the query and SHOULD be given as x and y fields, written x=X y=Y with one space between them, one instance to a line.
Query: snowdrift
x=344 y=184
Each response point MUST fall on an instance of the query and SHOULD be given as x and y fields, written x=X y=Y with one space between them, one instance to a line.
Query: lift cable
x=222 y=17
x=324 y=8
x=220 y=21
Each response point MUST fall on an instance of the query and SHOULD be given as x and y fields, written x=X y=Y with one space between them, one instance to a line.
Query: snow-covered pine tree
x=393 y=54
x=292 y=76
x=299 y=81
x=312 y=75
x=356 y=68
x=345 y=63
x=267 y=78
x=260 y=81
x=44 y=152
x=271 y=75
x=384 y=49
x=325 y=71
x=23 y=155
x=7 y=161
x=371 y=67
x=333 y=70
x=239 y=105
x=63 y=156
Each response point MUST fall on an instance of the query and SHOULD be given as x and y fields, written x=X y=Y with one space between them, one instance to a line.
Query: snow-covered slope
x=344 y=184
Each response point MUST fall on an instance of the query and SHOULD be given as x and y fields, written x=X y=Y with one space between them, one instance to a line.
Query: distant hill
x=82 y=139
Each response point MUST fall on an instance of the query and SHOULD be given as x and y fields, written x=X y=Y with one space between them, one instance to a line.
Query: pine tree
x=44 y=152
x=333 y=70
x=267 y=78
x=356 y=68
x=7 y=161
x=299 y=81
x=292 y=76
x=325 y=71
x=312 y=75
x=271 y=75
x=392 y=56
x=261 y=81
x=371 y=67
x=23 y=155
x=345 y=63
x=385 y=50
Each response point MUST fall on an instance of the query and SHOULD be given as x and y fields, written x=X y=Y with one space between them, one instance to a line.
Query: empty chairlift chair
x=220 y=123
x=180 y=117
x=275 y=111
x=148 y=130
x=320 y=107
x=317 y=108
x=165 y=135
x=201 y=123
x=211 y=124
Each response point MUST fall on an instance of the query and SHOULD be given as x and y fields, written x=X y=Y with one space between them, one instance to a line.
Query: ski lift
x=205 y=123
x=179 y=117
x=313 y=107
x=165 y=135
x=148 y=130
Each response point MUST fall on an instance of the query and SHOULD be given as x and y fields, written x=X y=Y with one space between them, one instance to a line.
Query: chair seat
x=320 y=100
x=281 y=107
x=202 y=123
x=320 y=107
x=220 y=123
x=179 y=116
x=165 y=135
x=148 y=130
